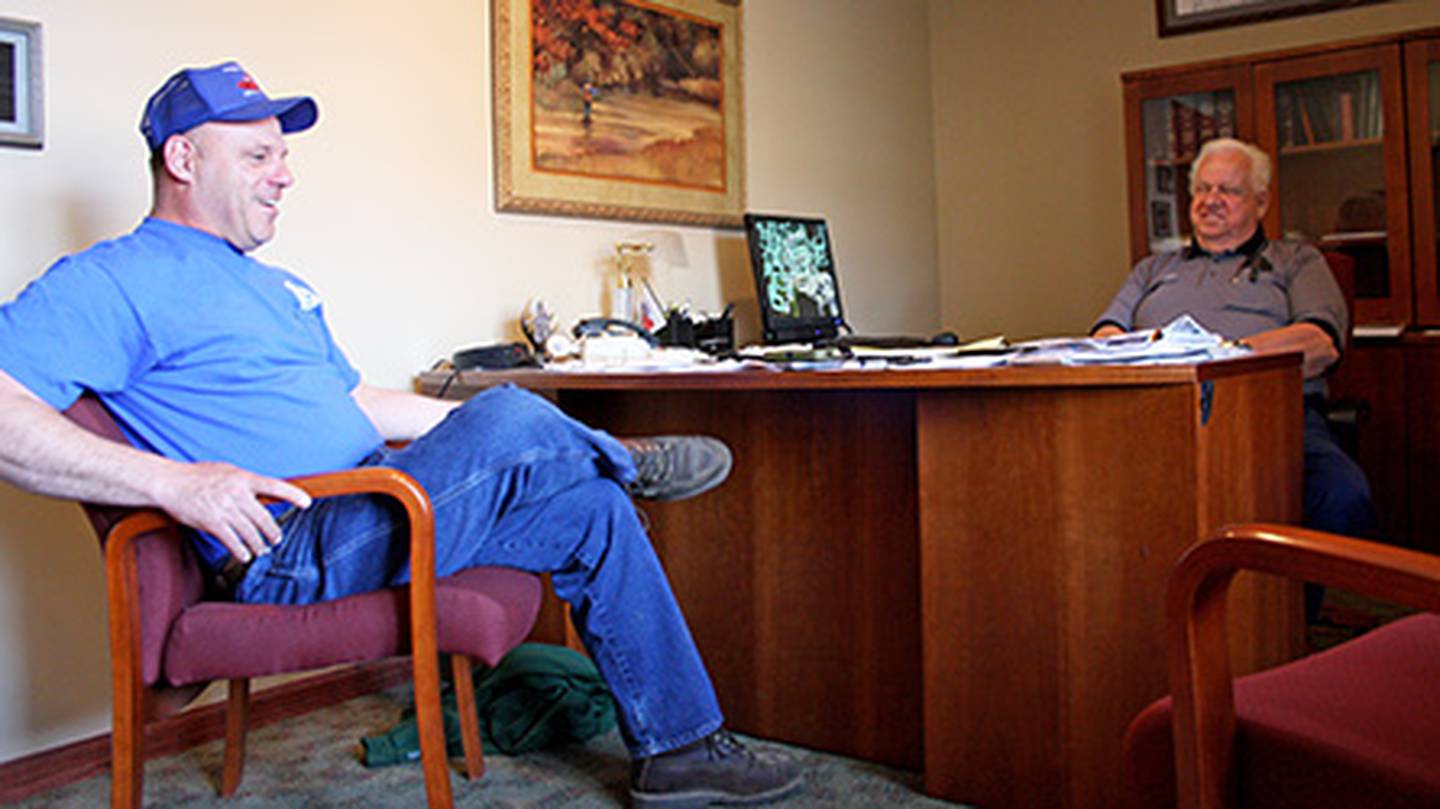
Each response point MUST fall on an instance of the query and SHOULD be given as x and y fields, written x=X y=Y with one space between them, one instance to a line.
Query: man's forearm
x=1306 y=338
x=42 y=452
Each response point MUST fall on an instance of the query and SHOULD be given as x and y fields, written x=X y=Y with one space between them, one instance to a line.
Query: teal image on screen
x=795 y=278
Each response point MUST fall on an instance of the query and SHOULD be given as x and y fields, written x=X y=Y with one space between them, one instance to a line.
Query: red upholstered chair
x=167 y=639
x=1355 y=725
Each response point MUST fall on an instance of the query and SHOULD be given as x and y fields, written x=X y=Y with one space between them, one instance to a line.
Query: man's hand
x=1107 y=330
x=223 y=501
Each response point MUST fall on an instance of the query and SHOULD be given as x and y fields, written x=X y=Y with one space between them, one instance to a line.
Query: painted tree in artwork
x=613 y=43
x=628 y=89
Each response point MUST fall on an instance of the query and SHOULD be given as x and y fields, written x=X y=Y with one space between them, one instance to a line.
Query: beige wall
x=1030 y=144
x=393 y=222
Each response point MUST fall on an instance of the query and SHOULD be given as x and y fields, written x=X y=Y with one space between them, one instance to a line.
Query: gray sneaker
x=716 y=769
x=674 y=467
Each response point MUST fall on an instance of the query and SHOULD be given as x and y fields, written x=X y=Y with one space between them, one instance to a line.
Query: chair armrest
x=1204 y=708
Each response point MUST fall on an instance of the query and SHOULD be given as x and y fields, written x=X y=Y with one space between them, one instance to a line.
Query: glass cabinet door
x=1175 y=127
x=1334 y=124
x=1422 y=68
x=1167 y=121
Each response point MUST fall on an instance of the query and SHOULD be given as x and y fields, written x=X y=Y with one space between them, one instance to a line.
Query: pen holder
x=715 y=335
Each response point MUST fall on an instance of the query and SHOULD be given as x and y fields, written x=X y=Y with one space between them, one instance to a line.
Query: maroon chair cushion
x=1355 y=725
x=482 y=612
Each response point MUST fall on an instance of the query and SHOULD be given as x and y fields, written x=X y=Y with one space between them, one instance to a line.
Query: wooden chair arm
x=1204 y=707
x=120 y=571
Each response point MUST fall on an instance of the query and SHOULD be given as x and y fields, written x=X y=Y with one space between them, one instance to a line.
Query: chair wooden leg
x=127 y=747
x=237 y=719
x=431 y=728
x=461 y=669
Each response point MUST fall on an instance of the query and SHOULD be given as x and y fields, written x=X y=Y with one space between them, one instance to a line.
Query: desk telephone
x=614 y=327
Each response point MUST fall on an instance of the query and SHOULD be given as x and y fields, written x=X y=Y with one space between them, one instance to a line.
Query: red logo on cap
x=247 y=83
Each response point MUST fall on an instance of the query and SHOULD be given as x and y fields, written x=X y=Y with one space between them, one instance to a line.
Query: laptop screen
x=794 y=278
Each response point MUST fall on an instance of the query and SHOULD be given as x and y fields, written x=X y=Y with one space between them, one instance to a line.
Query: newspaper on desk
x=1180 y=342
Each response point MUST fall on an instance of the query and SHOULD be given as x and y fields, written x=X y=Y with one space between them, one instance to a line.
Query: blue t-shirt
x=201 y=353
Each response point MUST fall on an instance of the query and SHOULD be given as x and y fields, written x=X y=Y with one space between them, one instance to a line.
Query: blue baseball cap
x=224 y=92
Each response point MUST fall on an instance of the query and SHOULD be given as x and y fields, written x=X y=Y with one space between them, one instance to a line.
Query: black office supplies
x=495 y=357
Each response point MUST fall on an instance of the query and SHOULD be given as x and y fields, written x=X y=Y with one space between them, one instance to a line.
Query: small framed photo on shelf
x=1165 y=179
x=1162 y=216
x=22 y=114
x=1185 y=16
x=620 y=109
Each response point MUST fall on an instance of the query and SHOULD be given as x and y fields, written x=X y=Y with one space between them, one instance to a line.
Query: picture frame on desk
x=620 y=109
x=1187 y=16
x=22 y=110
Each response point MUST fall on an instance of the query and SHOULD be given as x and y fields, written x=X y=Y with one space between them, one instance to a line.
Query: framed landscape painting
x=1184 y=16
x=620 y=109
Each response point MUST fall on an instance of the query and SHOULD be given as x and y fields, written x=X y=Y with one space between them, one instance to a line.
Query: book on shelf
x=1313 y=118
x=1188 y=134
x=1205 y=117
x=1285 y=122
x=1175 y=127
x=1225 y=115
x=1346 y=102
x=1159 y=130
x=1371 y=123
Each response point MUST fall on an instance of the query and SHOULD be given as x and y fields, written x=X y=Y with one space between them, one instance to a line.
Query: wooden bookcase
x=1354 y=129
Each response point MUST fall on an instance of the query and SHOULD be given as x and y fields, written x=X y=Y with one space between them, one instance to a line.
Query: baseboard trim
x=48 y=769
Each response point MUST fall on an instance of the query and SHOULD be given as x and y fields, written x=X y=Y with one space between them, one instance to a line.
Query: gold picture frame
x=620 y=109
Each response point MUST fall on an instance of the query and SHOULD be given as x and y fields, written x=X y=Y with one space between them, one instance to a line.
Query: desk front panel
x=800 y=575
x=1050 y=519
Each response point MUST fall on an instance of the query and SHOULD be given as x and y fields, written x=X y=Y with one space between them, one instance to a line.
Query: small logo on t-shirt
x=304 y=295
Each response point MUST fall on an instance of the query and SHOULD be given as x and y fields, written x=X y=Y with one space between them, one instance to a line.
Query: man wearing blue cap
x=223 y=367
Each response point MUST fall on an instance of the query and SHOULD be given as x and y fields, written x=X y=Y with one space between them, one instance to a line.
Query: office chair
x=169 y=636
x=1345 y=415
x=1355 y=725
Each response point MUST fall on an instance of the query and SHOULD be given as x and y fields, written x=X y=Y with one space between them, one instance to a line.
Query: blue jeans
x=516 y=483
x=1337 y=496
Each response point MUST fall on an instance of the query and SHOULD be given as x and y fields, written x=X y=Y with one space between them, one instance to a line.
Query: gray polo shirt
x=1262 y=285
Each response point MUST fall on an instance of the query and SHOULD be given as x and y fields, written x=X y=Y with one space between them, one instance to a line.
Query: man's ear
x=1262 y=201
x=180 y=158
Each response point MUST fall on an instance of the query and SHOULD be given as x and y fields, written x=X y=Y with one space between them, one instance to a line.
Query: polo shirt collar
x=1248 y=249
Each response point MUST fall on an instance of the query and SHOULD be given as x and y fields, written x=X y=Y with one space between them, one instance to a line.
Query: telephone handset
x=614 y=326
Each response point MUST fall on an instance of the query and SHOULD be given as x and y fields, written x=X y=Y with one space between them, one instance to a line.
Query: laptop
x=796 y=285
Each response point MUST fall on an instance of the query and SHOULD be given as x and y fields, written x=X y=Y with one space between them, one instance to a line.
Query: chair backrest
x=171 y=577
x=1342 y=266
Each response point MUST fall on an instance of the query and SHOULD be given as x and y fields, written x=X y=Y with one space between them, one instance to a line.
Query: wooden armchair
x=1355 y=725
x=167 y=638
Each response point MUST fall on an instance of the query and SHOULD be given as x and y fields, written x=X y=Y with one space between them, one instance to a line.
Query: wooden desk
x=958 y=570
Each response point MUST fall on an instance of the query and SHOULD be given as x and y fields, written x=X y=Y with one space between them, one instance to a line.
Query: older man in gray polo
x=1274 y=296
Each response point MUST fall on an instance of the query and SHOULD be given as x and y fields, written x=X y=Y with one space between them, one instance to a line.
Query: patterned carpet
x=314 y=761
